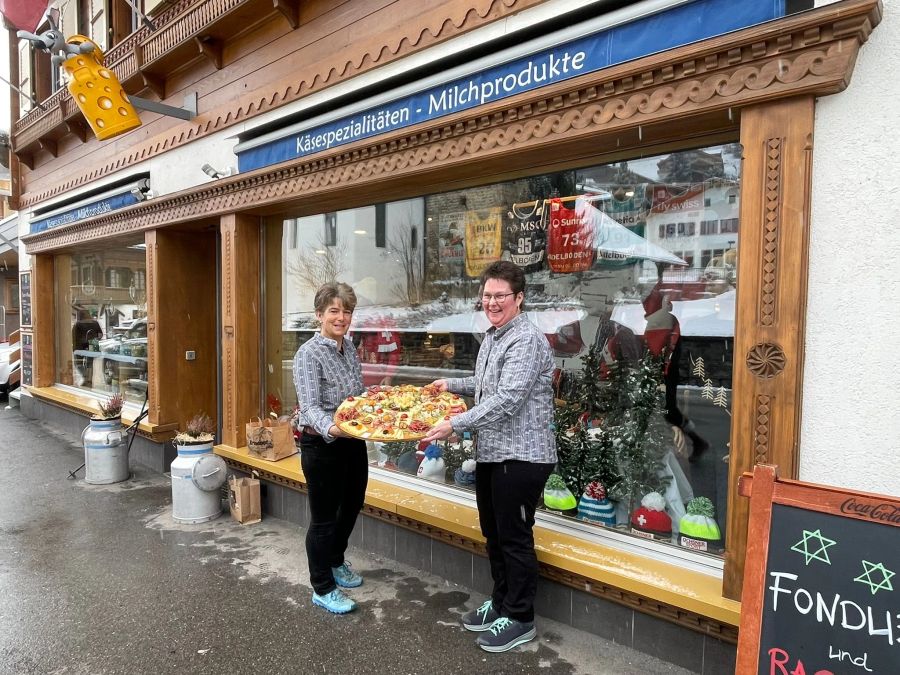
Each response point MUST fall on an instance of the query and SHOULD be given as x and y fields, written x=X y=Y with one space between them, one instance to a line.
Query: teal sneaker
x=335 y=602
x=480 y=618
x=345 y=577
x=504 y=634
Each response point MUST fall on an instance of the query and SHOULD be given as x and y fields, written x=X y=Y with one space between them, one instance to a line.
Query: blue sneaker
x=480 y=618
x=345 y=577
x=335 y=602
x=504 y=634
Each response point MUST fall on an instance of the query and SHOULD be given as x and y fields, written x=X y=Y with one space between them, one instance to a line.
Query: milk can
x=105 y=452
x=197 y=475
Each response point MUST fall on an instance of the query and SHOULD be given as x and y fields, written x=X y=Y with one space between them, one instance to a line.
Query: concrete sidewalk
x=99 y=579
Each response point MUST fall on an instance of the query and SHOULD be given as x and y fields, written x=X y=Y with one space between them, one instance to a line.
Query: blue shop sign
x=668 y=29
x=96 y=208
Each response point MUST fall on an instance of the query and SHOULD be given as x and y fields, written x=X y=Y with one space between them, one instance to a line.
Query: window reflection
x=101 y=317
x=632 y=274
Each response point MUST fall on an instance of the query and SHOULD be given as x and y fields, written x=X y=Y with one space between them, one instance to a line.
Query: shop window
x=331 y=229
x=380 y=225
x=624 y=312
x=729 y=226
x=101 y=321
x=709 y=227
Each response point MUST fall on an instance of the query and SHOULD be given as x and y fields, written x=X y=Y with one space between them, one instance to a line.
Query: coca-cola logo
x=880 y=511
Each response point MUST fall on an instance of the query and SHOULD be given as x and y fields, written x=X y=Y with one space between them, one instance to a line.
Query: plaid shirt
x=324 y=377
x=512 y=386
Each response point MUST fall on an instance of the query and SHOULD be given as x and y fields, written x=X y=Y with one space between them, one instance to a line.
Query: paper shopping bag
x=270 y=439
x=243 y=497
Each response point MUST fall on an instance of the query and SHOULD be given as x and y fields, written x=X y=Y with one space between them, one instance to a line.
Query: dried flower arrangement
x=199 y=429
x=111 y=408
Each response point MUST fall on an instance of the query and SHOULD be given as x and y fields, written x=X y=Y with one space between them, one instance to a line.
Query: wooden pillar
x=771 y=312
x=181 y=318
x=42 y=295
x=240 y=337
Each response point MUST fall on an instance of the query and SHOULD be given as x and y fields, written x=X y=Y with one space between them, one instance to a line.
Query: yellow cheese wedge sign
x=98 y=94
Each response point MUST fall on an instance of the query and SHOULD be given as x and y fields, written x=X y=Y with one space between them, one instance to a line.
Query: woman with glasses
x=326 y=371
x=515 y=453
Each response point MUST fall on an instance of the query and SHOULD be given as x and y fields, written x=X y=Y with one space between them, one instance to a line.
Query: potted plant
x=199 y=432
x=197 y=474
x=111 y=409
x=105 y=454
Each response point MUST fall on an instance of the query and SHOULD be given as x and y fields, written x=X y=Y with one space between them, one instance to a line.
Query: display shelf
x=112 y=357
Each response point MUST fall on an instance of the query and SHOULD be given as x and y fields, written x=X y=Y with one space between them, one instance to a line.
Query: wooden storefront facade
x=757 y=86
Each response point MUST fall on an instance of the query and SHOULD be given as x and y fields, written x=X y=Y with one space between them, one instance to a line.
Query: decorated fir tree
x=584 y=451
x=607 y=431
x=637 y=429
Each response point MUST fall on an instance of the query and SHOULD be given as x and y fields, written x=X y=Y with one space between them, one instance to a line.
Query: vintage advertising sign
x=821 y=594
x=451 y=235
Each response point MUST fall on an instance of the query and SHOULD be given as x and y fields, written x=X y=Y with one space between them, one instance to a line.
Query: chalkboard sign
x=25 y=298
x=821 y=591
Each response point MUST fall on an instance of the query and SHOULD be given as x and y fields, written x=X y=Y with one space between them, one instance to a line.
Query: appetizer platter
x=400 y=413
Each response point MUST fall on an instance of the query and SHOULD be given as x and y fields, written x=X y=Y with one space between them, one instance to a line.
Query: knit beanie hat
x=557 y=496
x=433 y=466
x=595 y=507
x=465 y=475
x=698 y=526
x=651 y=516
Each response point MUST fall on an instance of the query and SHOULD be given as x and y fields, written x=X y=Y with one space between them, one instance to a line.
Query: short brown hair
x=327 y=293
x=505 y=271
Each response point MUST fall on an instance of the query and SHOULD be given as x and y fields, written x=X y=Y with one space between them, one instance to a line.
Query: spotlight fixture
x=215 y=173
x=142 y=191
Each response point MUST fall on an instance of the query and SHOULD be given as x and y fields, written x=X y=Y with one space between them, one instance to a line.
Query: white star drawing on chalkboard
x=865 y=577
x=821 y=553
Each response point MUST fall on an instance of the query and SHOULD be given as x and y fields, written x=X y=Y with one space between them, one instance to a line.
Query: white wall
x=851 y=394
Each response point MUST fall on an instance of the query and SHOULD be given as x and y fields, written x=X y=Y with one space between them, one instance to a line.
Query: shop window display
x=633 y=289
x=101 y=321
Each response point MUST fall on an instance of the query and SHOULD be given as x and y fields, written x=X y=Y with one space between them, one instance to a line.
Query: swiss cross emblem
x=642 y=520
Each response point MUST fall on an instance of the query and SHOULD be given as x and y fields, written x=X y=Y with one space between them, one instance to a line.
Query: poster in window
x=483 y=239
x=25 y=298
x=526 y=231
x=570 y=244
x=451 y=233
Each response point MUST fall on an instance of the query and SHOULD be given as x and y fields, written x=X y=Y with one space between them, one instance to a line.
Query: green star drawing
x=865 y=577
x=820 y=553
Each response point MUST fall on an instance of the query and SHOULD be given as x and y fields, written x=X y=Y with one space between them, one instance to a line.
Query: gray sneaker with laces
x=480 y=618
x=346 y=577
x=504 y=634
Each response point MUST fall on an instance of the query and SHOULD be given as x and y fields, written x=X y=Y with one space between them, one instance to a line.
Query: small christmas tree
x=635 y=426
x=607 y=431
x=584 y=452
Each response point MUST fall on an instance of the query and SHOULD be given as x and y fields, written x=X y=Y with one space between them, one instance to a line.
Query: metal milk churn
x=105 y=452
x=197 y=475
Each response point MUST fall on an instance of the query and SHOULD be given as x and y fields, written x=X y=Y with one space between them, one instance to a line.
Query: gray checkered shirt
x=324 y=377
x=513 y=392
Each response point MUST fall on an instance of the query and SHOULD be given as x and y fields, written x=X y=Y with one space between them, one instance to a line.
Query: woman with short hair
x=515 y=450
x=326 y=371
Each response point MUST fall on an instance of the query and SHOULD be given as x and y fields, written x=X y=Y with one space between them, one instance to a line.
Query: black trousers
x=336 y=476
x=507 y=494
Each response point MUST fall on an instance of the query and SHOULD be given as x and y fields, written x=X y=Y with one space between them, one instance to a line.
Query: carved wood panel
x=772 y=267
x=240 y=337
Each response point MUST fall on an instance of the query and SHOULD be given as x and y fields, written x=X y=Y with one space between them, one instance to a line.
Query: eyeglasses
x=499 y=297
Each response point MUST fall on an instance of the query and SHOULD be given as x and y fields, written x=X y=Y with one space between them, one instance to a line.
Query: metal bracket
x=188 y=112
